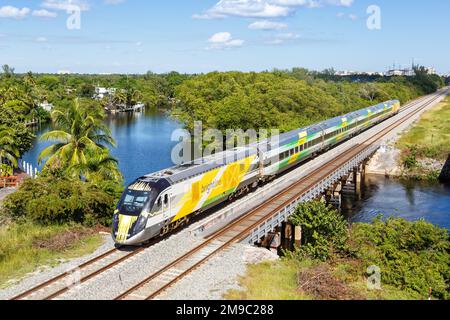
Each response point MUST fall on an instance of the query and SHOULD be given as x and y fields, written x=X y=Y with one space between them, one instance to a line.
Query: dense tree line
x=285 y=99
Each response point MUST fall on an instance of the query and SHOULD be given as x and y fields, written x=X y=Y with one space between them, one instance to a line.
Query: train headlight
x=140 y=224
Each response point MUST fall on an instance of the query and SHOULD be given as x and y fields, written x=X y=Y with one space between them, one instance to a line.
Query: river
x=144 y=145
x=412 y=200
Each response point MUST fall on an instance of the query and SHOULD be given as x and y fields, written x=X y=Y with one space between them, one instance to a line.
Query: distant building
x=408 y=72
x=400 y=72
x=101 y=92
x=46 y=106
x=431 y=70
x=345 y=73
x=64 y=72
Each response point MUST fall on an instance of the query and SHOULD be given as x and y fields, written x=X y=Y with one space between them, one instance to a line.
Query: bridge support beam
x=333 y=195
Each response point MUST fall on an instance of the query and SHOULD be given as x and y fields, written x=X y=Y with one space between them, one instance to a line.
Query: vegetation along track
x=239 y=229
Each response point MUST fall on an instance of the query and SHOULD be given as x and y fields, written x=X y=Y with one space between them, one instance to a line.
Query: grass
x=26 y=247
x=277 y=280
x=274 y=280
x=430 y=137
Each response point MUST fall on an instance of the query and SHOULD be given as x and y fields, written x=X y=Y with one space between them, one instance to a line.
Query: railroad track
x=62 y=283
x=238 y=230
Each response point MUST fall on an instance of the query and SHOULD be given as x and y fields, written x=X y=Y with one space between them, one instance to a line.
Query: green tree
x=8 y=72
x=60 y=200
x=324 y=229
x=99 y=168
x=8 y=149
x=87 y=90
x=13 y=121
x=81 y=138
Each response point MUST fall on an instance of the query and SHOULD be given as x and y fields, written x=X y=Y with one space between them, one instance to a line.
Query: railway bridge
x=263 y=214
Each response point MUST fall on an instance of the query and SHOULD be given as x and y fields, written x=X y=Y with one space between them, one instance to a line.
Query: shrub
x=413 y=256
x=410 y=158
x=5 y=170
x=324 y=229
x=60 y=200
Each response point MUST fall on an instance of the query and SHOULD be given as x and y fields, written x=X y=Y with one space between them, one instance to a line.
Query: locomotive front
x=136 y=217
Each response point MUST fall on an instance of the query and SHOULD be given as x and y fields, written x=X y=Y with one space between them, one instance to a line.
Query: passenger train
x=160 y=202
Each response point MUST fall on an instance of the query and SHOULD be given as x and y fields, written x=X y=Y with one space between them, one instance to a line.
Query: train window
x=297 y=149
x=158 y=203
x=166 y=199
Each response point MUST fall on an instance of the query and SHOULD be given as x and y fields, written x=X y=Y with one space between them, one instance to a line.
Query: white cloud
x=264 y=8
x=65 y=5
x=44 y=13
x=41 y=39
x=224 y=40
x=267 y=25
x=13 y=12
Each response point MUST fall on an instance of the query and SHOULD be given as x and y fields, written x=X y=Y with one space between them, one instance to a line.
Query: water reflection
x=408 y=199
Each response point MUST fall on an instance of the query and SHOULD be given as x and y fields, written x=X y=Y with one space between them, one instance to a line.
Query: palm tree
x=99 y=168
x=81 y=140
x=127 y=97
x=8 y=150
x=119 y=98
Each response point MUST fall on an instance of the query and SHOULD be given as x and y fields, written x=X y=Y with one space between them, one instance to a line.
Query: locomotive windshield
x=133 y=201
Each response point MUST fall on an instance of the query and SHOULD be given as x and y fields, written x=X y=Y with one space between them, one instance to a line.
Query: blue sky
x=133 y=36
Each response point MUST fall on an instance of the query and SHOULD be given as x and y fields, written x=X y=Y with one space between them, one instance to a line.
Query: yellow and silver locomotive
x=160 y=202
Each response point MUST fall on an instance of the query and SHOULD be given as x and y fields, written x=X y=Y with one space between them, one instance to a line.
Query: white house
x=101 y=92
x=46 y=106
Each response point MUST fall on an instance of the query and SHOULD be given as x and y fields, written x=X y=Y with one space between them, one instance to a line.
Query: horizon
x=134 y=36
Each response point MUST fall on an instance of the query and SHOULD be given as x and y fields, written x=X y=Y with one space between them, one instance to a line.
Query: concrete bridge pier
x=333 y=195
x=353 y=183
x=287 y=236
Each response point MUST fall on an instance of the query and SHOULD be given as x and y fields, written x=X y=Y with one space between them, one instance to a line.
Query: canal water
x=144 y=145
x=412 y=200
